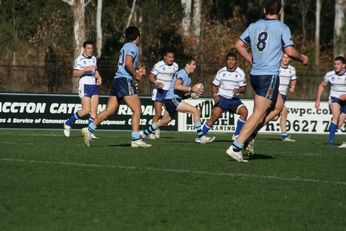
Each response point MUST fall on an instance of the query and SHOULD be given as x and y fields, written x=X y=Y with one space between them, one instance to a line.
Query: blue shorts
x=284 y=97
x=172 y=104
x=266 y=85
x=123 y=87
x=159 y=95
x=342 y=103
x=230 y=105
x=88 y=90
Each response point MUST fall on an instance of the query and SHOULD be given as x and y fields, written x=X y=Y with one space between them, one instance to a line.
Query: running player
x=268 y=37
x=337 y=99
x=85 y=68
x=161 y=77
x=123 y=88
x=178 y=90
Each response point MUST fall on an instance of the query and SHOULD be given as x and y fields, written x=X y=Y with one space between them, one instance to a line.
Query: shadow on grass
x=261 y=157
x=223 y=141
x=276 y=139
x=167 y=137
x=127 y=145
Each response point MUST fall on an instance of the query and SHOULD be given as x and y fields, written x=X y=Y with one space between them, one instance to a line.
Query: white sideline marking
x=311 y=154
x=186 y=171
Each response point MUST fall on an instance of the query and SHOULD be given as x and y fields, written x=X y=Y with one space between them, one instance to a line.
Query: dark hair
x=272 y=7
x=340 y=58
x=188 y=60
x=231 y=54
x=87 y=42
x=131 y=33
x=168 y=50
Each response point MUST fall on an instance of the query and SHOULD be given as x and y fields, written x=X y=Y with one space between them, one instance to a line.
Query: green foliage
x=44 y=28
x=341 y=39
x=7 y=41
x=160 y=27
x=41 y=22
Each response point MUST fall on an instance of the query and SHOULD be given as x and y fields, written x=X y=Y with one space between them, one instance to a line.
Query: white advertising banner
x=303 y=117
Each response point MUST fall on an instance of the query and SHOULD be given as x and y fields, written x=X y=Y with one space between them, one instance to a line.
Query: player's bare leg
x=335 y=108
x=215 y=115
x=283 y=119
x=243 y=113
x=342 y=120
x=188 y=108
x=112 y=106
x=158 y=111
x=134 y=104
x=85 y=101
x=93 y=111
x=261 y=106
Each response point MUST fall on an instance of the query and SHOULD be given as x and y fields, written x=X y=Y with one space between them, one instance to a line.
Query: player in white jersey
x=287 y=74
x=85 y=68
x=337 y=95
x=227 y=84
x=161 y=77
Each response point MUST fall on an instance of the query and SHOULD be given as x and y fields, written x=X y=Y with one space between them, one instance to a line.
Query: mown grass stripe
x=184 y=171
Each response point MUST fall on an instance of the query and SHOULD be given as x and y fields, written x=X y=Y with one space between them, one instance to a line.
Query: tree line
x=49 y=34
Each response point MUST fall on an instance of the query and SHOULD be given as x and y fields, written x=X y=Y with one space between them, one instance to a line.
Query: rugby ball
x=195 y=95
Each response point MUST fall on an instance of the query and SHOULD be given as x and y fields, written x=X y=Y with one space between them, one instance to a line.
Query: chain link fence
x=57 y=78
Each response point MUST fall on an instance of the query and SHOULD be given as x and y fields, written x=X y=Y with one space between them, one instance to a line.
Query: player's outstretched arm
x=98 y=78
x=239 y=90
x=293 y=53
x=241 y=48
x=319 y=93
x=342 y=97
x=152 y=78
x=214 y=91
x=78 y=73
x=293 y=85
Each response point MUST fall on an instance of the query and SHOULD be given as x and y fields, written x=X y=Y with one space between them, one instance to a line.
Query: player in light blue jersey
x=123 y=88
x=85 y=68
x=337 y=96
x=179 y=89
x=268 y=38
x=161 y=77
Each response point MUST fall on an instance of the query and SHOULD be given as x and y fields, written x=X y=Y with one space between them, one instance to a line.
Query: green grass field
x=49 y=182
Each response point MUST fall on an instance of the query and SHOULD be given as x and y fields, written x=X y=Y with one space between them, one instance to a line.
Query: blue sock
x=205 y=128
x=91 y=128
x=237 y=146
x=90 y=120
x=72 y=119
x=198 y=127
x=332 y=130
x=151 y=129
x=135 y=136
x=240 y=124
x=284 y=135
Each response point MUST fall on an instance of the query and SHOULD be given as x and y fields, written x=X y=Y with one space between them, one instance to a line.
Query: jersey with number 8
x=268 y=38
